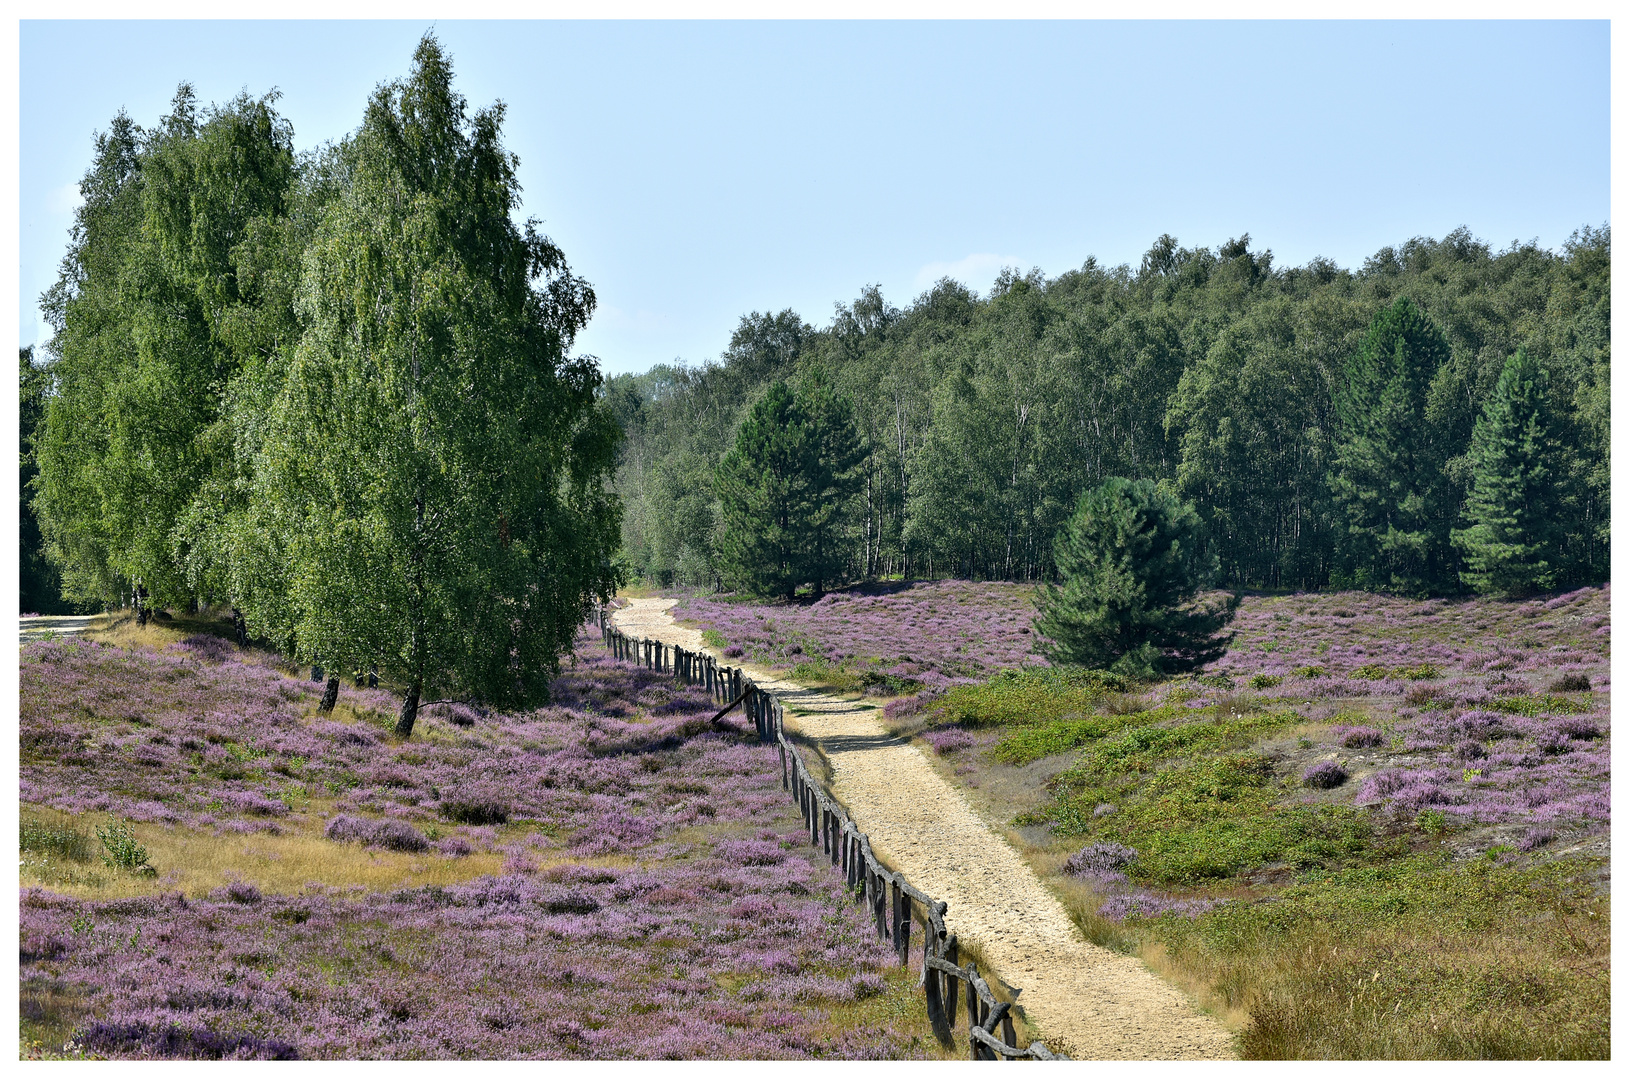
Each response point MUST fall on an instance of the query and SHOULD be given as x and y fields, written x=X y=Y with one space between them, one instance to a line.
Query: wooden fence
x=895 y=904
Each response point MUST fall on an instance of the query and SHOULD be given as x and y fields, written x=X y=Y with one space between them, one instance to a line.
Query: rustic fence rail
x=895 y=904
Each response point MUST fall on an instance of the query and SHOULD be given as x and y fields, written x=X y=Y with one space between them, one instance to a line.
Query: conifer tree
x=1132 y=562
x=1389 y=477
x=835 y=449
x=1511 y=544
x=784 y=488
x=763 y=498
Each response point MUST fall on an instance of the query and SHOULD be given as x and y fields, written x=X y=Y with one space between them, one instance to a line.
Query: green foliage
x=1391 y=452
x=66 y=841
x=428 y=483
x=783 y=489
x=1540 y=704
x=679 y=423
x=1034 y=695
x=1513 y=543
x=984 y=417
x=38 y=584
x=1189 y=799
x=121 y=850
x=171 y=287
x=1132 y=562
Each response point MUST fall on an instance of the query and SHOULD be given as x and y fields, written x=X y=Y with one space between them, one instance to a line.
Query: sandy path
x=1099 y=1003
x=35 y=627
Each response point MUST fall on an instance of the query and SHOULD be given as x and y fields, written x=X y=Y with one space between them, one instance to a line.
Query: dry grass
x=1125 y=704
x=195 y=861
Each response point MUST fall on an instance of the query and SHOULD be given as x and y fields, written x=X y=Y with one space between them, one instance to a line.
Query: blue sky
x=696 y=171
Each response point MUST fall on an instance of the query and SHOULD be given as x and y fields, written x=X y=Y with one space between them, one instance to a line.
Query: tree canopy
x=1276 y=399
x=784 y=486
x=1132 y=560
x=334 y=392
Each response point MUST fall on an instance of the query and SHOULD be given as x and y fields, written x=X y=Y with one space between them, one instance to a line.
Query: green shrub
x=1264 y=681
x=882 y=684
x=1371 y=671
x=1418 y=672
x=714 y=640
x=1028 y=696
x=1308 y=671
x=121 y=850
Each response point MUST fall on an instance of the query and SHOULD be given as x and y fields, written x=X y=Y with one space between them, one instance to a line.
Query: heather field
x=210 y=869
x=919 y=636
x=1377 y=827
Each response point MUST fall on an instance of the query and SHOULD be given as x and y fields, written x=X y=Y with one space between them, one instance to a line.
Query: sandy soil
x=35 y=627
x=1086 y=1000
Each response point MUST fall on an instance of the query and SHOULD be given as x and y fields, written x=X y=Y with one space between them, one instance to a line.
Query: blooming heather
x=711 y=931
x=933 y=632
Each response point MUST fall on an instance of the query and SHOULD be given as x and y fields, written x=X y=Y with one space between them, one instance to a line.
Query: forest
x=1323 y=421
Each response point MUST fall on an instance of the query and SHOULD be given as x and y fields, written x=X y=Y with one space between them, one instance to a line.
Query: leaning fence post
x=952 y=983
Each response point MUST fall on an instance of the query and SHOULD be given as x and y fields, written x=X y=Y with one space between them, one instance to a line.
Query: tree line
x=331 y=389
x=1434 y=421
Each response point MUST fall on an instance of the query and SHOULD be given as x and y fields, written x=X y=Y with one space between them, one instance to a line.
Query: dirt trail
x=35 y=627
x=1102 y=1004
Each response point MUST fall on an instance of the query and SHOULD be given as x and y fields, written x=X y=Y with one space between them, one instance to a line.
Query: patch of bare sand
x=1094 y=1002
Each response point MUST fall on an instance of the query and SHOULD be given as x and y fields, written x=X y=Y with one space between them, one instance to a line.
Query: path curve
x=36 y=627
x=1099 y=1003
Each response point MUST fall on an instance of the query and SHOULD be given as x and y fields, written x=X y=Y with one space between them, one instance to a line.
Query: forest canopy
x=1320 y=419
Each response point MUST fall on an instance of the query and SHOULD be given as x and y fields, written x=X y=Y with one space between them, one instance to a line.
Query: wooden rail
x=894 y=903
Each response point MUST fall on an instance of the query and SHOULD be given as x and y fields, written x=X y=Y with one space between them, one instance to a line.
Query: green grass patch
x=1028 y=696
x=714 y=640
x=823 y=673
x=1536 y=704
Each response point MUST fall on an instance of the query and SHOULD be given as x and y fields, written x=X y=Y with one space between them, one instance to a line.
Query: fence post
x=932 y=997
x=976 y=1010
x=902 y=924
x=952 y=983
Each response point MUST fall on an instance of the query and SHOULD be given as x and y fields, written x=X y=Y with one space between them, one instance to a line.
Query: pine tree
x=763 y=498
x=784 y=488
x=1511 y=544
x=1389 y=474
x=835 y=450
x=1132 y=561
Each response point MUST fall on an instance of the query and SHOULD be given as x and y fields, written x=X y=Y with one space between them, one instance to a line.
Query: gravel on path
x=36 y=627
x=1083 y=999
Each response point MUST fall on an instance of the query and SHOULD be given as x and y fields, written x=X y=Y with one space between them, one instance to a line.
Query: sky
x=694 y=172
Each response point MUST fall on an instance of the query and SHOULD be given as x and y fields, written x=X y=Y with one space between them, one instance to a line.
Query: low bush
x=65 y=841
x=1325 y=775
x=394 y=835
x=121 y=850
x=475 y=811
